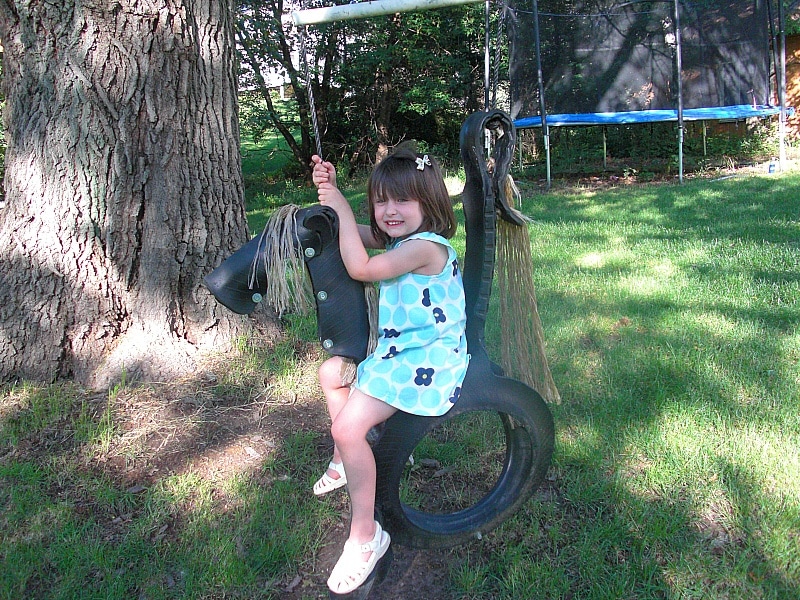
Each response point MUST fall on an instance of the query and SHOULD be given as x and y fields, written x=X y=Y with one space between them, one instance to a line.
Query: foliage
x=266 y=45
x=262 y=144
x=417 y=75
x=792 y=11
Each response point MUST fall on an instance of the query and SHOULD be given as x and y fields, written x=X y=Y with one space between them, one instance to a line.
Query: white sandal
x=326 y=483
x=351 y=570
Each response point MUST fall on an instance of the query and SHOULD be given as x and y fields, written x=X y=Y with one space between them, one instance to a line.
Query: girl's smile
x=398 y=217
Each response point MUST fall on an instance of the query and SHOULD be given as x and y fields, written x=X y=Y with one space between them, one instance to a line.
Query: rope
x=310 y=91
x=280 y=258
x=348 y=366
x=501 y=21
x=523 y=347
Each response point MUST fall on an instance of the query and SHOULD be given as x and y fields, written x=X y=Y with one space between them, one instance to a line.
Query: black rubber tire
x=529 y=437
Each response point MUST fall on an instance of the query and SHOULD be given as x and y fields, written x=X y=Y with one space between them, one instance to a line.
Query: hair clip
x=421 y=162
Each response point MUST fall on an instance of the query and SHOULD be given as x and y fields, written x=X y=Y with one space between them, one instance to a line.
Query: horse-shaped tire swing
x=343 y=327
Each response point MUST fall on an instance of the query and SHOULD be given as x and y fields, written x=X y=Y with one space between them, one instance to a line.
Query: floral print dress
x=421 y=357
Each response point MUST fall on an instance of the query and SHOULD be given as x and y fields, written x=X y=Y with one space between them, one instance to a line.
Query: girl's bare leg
x=350 y=427
x=336 y=395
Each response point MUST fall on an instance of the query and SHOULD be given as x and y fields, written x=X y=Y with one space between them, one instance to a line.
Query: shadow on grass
x=672 y=471
x=204 y=489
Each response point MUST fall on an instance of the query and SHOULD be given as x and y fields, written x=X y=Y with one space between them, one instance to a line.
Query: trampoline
x=622 y=62
x=716 y=113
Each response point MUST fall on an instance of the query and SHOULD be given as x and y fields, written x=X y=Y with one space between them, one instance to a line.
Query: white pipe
x=373 y=8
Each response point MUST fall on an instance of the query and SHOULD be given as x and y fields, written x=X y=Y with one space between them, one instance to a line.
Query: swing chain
x=501 y=25
x=310 y=91
x=488 y=139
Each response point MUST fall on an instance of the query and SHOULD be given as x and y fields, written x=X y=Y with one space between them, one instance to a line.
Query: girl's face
x=397 y=217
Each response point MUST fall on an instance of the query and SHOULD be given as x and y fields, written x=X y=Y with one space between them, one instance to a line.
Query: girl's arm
x=325 y=172
x=415 y=255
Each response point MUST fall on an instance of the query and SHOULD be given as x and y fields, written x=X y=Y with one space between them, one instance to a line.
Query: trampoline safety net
x=607 y=56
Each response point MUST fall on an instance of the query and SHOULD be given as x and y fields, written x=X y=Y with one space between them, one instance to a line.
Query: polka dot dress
x=421 y=357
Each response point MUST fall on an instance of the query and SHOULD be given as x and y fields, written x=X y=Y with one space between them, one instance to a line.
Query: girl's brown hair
x=398 y=176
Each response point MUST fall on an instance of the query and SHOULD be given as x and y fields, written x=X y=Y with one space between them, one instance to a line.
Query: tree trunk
x=123 y=187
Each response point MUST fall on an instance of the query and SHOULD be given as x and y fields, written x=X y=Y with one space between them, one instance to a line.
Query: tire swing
x=526 y=420
x=344 y=329
x=309 y=237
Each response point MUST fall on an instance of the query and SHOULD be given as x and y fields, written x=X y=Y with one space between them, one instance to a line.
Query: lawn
x=672 y=319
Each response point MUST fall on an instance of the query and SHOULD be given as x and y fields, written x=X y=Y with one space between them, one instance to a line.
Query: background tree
x=266 y=44
x=123 y=186
x=417 y=75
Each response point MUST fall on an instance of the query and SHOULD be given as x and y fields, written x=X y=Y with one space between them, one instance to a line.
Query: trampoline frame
x=737 y=112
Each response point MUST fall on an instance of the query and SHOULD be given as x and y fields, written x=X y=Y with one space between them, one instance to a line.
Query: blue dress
x=421 y=355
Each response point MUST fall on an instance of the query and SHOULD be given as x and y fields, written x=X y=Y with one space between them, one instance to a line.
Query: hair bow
x=421 y=162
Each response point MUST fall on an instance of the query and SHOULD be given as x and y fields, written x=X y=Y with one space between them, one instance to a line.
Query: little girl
x=421 y=356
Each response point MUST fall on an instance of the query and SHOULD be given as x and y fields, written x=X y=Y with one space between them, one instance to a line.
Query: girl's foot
x=333 y=479
x=352 y=569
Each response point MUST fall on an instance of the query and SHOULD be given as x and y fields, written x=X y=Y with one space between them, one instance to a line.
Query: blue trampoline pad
x=717 y=113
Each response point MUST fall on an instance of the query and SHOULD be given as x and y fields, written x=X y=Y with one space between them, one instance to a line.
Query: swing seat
x=230 y=282
x=341 y=305
x=343 y=328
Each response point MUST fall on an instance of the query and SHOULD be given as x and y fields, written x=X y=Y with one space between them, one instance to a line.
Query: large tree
x=123 y=186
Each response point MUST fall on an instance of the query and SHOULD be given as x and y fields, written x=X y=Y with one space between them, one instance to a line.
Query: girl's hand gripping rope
x=324 y=172
x=324 y=177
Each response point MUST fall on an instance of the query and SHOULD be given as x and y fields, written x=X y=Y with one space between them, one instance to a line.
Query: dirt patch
x=216 y=438
x=412 y=575
x=216 y=429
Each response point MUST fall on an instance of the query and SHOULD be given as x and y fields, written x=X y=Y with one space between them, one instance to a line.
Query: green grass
x=671 y=315
x=672 y=321
x=456 y=464
x=266 y=189
x=72 y=533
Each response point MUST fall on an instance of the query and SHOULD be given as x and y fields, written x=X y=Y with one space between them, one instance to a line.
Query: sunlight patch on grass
x=772 y=460
x=696 y=455
x=454 y=185
x=646 y=286
x=285 y=366
x=663 y=268
x=593 y=260
x=26 y=408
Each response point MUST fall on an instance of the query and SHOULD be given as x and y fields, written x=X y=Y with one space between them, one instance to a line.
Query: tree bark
x=123 y=187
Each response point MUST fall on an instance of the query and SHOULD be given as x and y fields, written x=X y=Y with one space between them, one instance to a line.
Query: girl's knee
x=330 y=373
x=339 y=432
x=345 y=432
